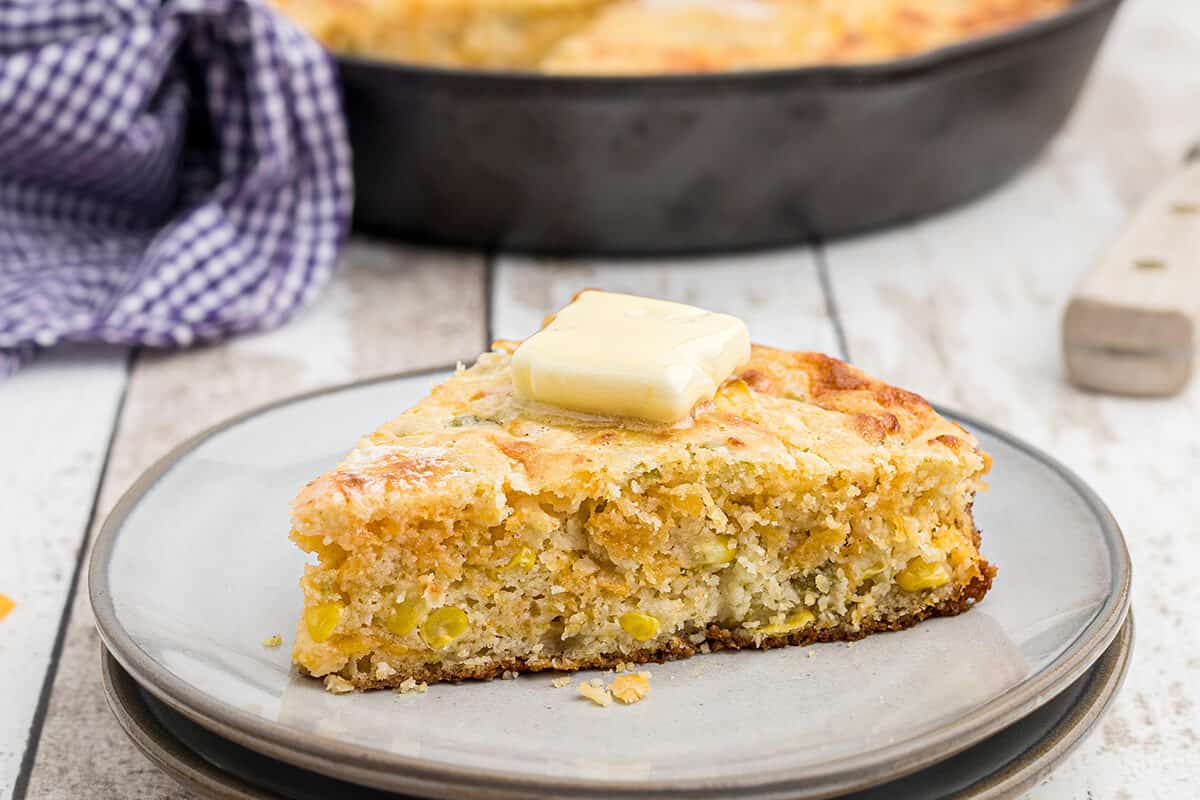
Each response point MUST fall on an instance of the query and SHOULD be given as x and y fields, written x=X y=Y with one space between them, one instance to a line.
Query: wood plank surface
x=391 y=308
x=56 y=418
x=777 y=293
x=966 y=309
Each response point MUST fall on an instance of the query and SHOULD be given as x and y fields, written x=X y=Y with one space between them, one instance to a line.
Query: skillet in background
x=692 y=163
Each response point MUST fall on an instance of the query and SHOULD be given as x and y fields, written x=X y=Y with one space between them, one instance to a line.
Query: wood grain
x=965 y=308
x=391 y=308
x=777 y=293
x=56 y=418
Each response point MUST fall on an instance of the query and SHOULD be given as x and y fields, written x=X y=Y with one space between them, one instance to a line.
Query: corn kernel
x=322 y=619
x=638 y=625
x=523 y=560
x=920 y=574
x=443 y=626
x=720 y=550
x=795 y=621
x=406 y=616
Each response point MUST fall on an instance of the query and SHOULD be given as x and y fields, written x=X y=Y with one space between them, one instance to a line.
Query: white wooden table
x=963 y=308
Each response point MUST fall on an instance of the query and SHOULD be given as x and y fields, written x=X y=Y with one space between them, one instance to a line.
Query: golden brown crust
x=876 y=409
x=953 y=442
x=717 y=638
x=779 y=404
x=642 y=38
x=622 y=37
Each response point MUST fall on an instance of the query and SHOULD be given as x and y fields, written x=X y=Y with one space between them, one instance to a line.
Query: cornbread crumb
x=621 y=666
x=273 y=641
x=383 y=671
x=597 y=694
x=7 y=604
x=508 y=675
x=335 y=684
x=631 y=687
x=559 y=683
x=410 y=686
x=812 y=654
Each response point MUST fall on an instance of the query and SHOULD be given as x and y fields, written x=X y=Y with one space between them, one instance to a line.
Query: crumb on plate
x=273 y=640
x=410 y=686
x=335 y=684
x=631 y=687
x=597 y=694
x=559 y=683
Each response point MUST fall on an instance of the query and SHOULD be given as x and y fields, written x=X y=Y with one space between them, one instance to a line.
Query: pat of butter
x=625 y=356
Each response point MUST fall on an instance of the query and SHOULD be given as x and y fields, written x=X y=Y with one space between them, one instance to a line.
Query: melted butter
x=617 y=355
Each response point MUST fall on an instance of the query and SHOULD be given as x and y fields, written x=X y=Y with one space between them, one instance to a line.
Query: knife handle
x=1130 y=325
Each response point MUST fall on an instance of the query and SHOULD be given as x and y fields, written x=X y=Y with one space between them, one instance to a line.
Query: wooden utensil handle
x=1130 y=326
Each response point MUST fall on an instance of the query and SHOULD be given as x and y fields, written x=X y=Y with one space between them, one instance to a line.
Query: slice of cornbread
x=476 y=534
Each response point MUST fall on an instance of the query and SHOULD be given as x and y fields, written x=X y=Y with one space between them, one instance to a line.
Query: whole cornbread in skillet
x=481 y=532
x=647 y=37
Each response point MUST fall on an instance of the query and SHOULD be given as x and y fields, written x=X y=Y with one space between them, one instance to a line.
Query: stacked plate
x=193 y=571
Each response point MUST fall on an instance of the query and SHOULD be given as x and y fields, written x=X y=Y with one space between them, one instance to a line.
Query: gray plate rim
x=395 y=772
x=190 y=768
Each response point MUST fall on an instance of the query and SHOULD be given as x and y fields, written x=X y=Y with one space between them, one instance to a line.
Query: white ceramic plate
x=193 y=570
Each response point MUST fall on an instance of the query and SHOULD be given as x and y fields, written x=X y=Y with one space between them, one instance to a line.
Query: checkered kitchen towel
x=171 y=171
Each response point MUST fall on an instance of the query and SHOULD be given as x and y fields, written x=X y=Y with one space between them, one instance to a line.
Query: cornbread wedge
x=476 y=534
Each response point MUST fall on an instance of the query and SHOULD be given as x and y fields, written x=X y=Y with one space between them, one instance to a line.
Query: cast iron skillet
x=691 y=163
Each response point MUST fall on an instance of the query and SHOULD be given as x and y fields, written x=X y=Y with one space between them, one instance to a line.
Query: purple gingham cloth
x=170 y=172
